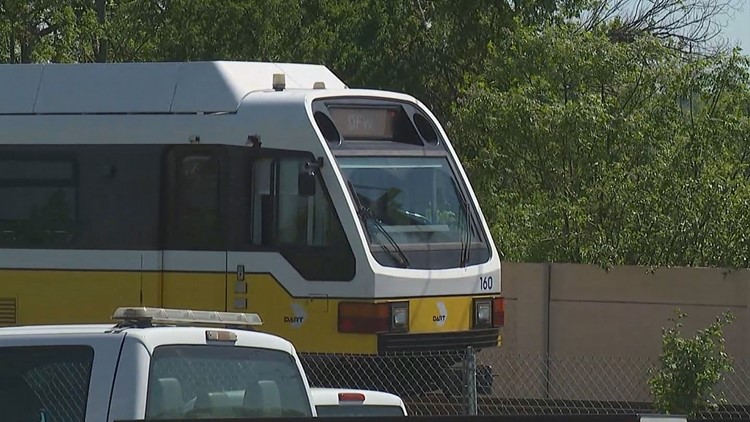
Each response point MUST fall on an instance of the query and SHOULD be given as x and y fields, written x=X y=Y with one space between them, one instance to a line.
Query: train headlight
x=482 y=313
x=400 y=317
x=489 y=312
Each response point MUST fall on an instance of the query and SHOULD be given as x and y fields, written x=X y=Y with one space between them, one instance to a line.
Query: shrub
x=690 y=368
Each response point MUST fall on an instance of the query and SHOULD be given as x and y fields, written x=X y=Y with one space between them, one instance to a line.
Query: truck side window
x=45 y=382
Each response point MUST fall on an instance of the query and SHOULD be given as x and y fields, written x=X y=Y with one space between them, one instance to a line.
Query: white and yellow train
x=342 y=216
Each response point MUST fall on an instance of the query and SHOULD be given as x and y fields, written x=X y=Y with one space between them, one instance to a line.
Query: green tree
x=422 y=47
x=587 y=150
x=583 y=146
x=49 y=31
x=426 y=48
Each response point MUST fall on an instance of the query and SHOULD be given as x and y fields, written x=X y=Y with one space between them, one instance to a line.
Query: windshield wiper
x=466 y=234
x=403 y=261
x=367 y=215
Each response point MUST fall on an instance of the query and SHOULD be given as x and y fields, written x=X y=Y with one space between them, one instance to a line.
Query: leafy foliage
x=582 y=148
x=422 y=47
x=690 y=368
x=585 y=150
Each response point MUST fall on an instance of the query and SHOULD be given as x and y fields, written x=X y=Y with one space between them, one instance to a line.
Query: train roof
x=147 y=88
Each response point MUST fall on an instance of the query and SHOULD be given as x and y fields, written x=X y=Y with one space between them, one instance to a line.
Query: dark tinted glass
x=193 y=382
x=43 y=383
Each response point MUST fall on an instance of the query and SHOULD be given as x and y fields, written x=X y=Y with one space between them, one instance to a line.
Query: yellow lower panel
x=204 y=291
x=440 y=314
x=311 y=324
x=54 y=297
x=50 y=297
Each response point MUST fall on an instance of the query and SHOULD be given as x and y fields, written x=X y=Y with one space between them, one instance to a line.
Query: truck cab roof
x=155 y=326
x=58 y=329
x=151 y=363
x=151 y=337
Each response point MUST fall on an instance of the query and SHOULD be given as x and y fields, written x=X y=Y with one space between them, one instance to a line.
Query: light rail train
x=342 y=216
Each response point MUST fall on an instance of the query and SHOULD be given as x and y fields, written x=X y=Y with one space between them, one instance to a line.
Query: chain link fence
x=504 y=382
x=492 y=381
x=61 y=389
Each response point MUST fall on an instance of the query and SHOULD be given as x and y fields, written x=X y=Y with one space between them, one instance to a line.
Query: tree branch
x=692 y=24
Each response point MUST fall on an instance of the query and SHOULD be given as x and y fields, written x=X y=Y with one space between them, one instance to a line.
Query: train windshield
x=412 y=200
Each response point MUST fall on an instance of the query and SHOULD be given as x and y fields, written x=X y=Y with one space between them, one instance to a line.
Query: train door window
x=295 y=215
x=290 y=215
x=292 y=209
x=39 y=201
x=194 y=192
x=237 y=211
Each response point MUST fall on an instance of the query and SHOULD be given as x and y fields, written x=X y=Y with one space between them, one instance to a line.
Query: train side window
x=119 y=196
x=194 y=200
x=39 y=201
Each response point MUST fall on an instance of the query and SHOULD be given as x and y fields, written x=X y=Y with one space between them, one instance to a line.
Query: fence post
x=470 y=381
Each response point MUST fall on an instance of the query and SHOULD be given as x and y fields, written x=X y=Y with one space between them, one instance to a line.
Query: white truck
x=152 y=363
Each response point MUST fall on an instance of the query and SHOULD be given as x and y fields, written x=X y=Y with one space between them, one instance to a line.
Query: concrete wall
x=579 y=332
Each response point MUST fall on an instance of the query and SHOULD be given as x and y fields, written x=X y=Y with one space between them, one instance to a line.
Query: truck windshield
x=413 y=199
x=197 y=382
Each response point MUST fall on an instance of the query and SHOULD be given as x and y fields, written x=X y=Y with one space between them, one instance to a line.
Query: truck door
x=194 y=256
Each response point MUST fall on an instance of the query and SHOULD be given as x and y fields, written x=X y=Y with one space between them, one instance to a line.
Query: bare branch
x=687 y=25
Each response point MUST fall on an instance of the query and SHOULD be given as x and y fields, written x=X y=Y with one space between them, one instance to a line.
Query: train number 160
x=485 y=283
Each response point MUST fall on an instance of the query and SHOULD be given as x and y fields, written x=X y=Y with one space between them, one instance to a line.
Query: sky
x=737 y=26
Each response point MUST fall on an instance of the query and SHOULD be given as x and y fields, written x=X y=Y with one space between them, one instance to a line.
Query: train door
x=194 y=258
x=293 y=240
x=255 y=266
